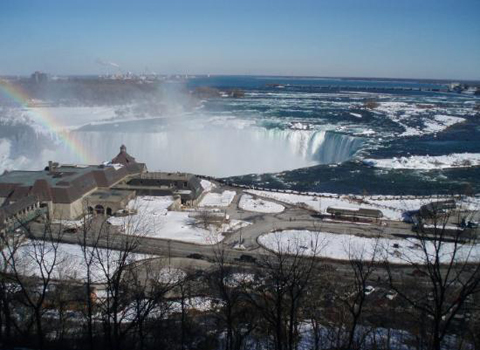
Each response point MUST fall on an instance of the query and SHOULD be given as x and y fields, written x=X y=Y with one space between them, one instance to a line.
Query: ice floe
x=454 y=160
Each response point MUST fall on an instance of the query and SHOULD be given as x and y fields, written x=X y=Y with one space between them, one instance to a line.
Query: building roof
x=65 y=184
x=366 y=212
x=128 y=161
x=167 y=176
x=123 y=157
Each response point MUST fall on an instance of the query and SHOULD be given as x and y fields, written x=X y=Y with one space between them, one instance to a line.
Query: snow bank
x=217 y=199
x=247 y=202
x=207 y=185
x=344 y=247
x=153 y=219
x=454 y=160
x=34 y=257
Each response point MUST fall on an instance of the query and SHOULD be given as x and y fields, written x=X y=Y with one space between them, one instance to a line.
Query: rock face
x=206 y=92
x=210 y=92
x=236 y=93
x=371 y=104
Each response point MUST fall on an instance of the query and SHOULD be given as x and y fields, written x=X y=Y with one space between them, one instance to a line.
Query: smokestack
x=52 y=166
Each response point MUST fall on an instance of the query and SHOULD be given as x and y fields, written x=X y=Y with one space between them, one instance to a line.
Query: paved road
x=293 y=217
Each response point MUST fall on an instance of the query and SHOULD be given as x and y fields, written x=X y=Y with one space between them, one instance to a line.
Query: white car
x=369 y=290
x=391 y=295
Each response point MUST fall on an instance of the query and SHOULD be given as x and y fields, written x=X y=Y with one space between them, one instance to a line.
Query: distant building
x=39 y=77
x=433 y=209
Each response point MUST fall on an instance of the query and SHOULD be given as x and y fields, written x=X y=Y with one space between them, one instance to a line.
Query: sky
x=434 y=39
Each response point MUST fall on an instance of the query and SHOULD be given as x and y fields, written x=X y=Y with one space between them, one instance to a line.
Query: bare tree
x=234 y=315
x=280 y=285
x=362 y=261
x=33 y=265
x=113 y=254
x=88 y=240
x=319 y=299
x=206 y=218
x=147 y=284
x=446 y=267
x=9 y=244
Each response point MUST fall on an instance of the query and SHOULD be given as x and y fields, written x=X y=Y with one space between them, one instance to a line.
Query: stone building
x=69 y=191
x=186 y=186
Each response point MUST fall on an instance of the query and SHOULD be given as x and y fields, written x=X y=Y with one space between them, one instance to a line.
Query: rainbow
x=47 y=120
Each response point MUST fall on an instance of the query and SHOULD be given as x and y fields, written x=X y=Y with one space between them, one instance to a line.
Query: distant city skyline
x=426 y=39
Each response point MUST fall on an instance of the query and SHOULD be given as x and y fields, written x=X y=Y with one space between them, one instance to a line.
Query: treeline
x=101 y=294
x=87 y=91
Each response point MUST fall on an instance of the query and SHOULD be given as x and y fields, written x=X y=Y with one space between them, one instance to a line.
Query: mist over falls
x=268 y=126
x=220 y=151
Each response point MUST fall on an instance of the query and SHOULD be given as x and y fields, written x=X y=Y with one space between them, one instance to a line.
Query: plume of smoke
x=106 y=63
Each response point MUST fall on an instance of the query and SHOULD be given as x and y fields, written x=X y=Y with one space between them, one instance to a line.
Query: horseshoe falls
x=220 y=151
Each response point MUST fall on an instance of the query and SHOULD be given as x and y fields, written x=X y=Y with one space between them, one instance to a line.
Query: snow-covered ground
x=217 y=199
x=153 y=219
x=247 y=202
x=33 y=258
x=207 y=185
x=344 y=247
x=454 y=160
x=321 y=202
x=201 y=304
x=401 y=205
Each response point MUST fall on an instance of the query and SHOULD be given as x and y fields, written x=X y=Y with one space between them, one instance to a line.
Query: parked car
x=196 y=256
x=472 y=224
x=369 y=290
x=70 y=230
x=391 y=294
x=247 y=258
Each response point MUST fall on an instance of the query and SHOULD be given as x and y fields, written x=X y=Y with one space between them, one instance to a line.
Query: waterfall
x=320 y=146
x=212 y=150
x=337 y=148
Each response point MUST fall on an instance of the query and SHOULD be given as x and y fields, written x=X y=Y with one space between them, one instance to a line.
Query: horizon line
x=475 y=80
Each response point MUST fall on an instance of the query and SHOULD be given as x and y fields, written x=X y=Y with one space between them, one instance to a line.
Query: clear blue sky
x=379 y=38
